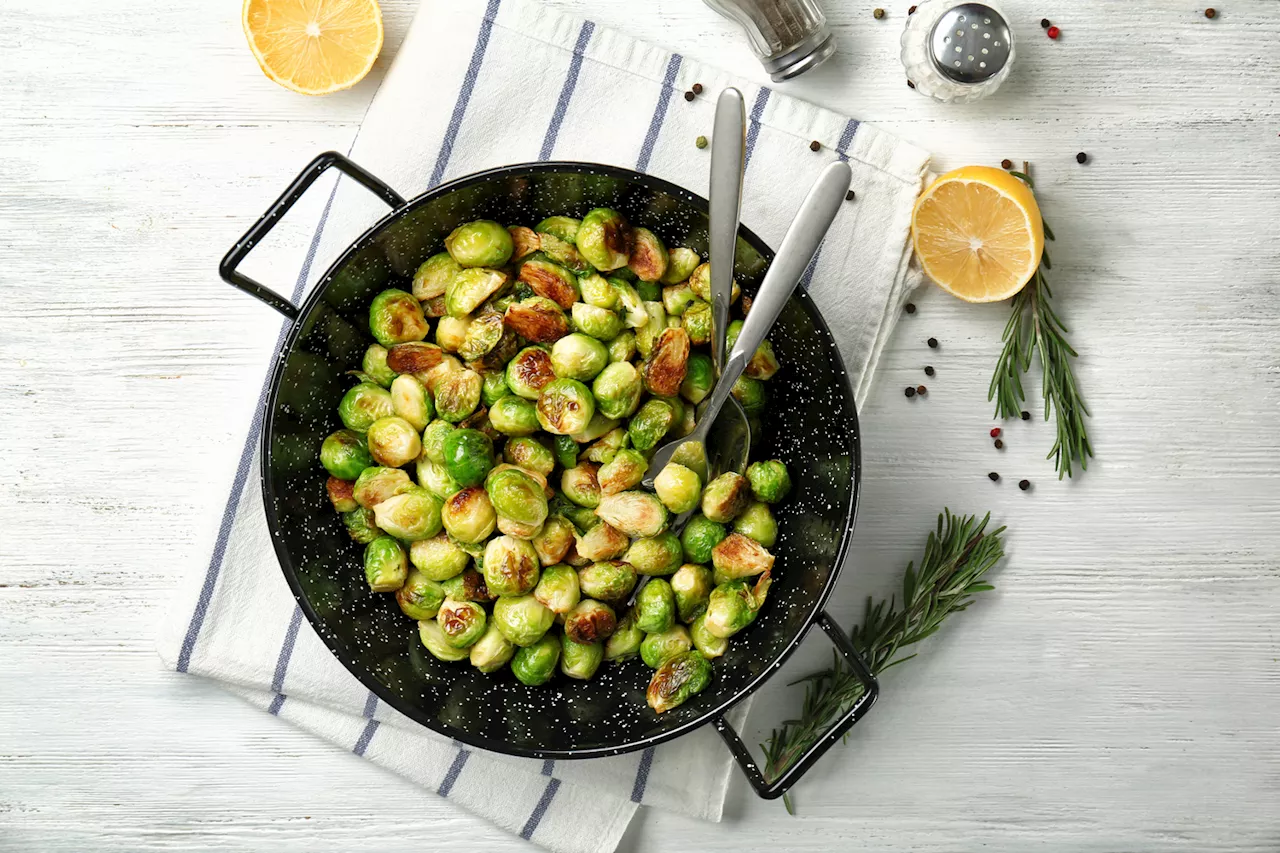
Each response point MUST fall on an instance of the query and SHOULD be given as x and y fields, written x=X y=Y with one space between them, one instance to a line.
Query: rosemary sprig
x=956 y=558
x=1034 y=328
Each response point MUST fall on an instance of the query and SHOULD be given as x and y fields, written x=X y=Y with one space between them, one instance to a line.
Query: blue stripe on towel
x=455 y=770
x=842 y=151
x=464 y=94
x=642 y=775
x=365 y=736
x=566 y=91
x=659 y=112
x=286 y=650
x=753 y=122
x=548 y=767
x=540 y=809
x=276 y=702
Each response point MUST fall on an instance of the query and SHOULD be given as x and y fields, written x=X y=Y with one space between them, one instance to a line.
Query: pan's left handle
x=252 y=237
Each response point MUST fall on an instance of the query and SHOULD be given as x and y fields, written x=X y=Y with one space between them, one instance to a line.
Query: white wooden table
x=1118 y=691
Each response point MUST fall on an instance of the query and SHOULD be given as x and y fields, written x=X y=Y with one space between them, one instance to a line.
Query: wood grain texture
x=1118 y=690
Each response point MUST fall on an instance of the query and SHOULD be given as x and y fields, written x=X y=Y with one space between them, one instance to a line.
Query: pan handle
x=870 y=690
x=252 y=237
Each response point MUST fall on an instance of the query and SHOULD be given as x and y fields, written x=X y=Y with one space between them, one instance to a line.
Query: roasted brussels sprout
x=691 y=585
x=649 y=259
x=565 y=254
x=626 y=469
x=655 y=555
x=751 y=394
x=733 y=606
x=522 y=619
x=433 y=276
x=375 y=365
x=438 y=558
x=725 y=497
x=361 y=525
x=590 y=622
x=433 y=439
x=678 y=297
x=769 y=480
x=738 y=557
x=697 y=323
x=524 y=242
x=514 y=416
x=623 y=347
x=385 y=565
x=468 y=586
x=650 y=424
x=704 y=641
x=345 y=453
x=649 y=291
x=579 y=660
x=396 y=317
x=565 y=449
x=600 y=323
x=558 y=588
x=341 y=494
x=516 y=495
x=419 y=597
x=607 y=580
x=469 y=516
x=554 y=541
x=678 y=488
x=468 y=456
x=417 y=357
x=470 y=288
x=393 y=441
x=758 y=523
x=436 y=479
x=679 y=677
x=598 y=291
x=491 y=652
x=625 y=640
x=657 y=649
x=665 y=368
x=363 y=404
x=565 y=407
x=655 y=607
x=634 y=513
x=511 y=566
x=483 y=333
x=699 y=378
x=692 y=454
x=578 y=356
x=451 y=332
x=564 y=227
x=603 y=542
x=462 y=622
x=432 y=636
x=654 y=325
x=763 y=364
x=529 y=372
x=411 y=515
x=482 y=243
x=604 y=239
x=551 y=281
x=494 y=388
x=579 y=484
x=537 y=319
x=699 y=537
x=535 y=664
x=700 y=281
x=680 y=265
x=410 y=400
x=458 y=395
x=598 y=427
x=375 y=485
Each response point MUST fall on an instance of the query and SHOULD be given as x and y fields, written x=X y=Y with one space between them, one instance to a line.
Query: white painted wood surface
x=1118 y=691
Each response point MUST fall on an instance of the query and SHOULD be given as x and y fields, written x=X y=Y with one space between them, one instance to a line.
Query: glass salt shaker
x=789 y=36
x=956 y=54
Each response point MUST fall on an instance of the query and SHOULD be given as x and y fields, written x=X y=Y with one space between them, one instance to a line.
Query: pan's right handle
x=252 y=237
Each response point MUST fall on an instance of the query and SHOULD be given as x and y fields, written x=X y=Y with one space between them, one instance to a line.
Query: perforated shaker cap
x=970 y=43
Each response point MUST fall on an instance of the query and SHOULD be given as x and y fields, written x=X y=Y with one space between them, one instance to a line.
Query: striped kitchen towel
x=484 y=83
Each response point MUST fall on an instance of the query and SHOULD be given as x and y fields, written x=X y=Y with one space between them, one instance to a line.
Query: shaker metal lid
x=970 y=43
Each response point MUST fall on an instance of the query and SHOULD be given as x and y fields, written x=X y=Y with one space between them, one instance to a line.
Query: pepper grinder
x=789 y=36
x=956 y=54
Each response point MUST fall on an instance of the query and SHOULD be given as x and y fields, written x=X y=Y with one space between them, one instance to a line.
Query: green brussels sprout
x=582 y=518
x=604 y=239
x=458 y=394
x=514 y=415
x=433 y=639
x=678 y=409
x=395 y=317
x=600 y=323
x=579 y=484
x=393 y=441
x=522 y=619
x=375 y=485
x=419 y=597
x=564 y=227
x=494 y=388
x=385 y=565
x=603 y=542
x=470 y=288
x=483 y=333
x=433 y=440
x=606 y=447
x=676 y=298
x=598 y=427
x=739 y=556
x=697 y=323
x=510 y=566
x=566 y=450
x=580 y=660
x=468 y=586
x=655 y=607
x=483 y=243
x=733 y=605
x=657 y=649
x=650 y=424
x=649 y=291
x=680 y=265
x=341 y=494
x=564 y=254
x=529 y=372
x=704 y=641
x=725 y=497
x=648 y=333
x=678 y=488
x=617 y=390
x=438 y=558
x=626 y=469
x=410 y=400
x=649 y=258
x=451 y=332
x=763 y=364
x=680 y=677
x=578 y=356
x=634 y=513
x=555 y=540
x=625 y=640
x=607 y=580
x=598 y=291
x=436 y=479
x=691 y=454
x=590 y=622
x=535 y=664
x=468 y=456
x=623 y=347
x=691 y=585
x=655 y=555
x=462 y=622
x=361 y=525
x=411 y=515
x=550 y=280
x=468 y=515
x=699 y=537
x=364 y=404
x=516 y=495
x=491 y=652
x=344 y=454
x=558 y=589
x=375 y=365
x=758 y=523
x=530 y=454
x=769 y=480
x=630 y=305
x=433 y=276
x=700 y=281
x=699 y=378
x=565 y=407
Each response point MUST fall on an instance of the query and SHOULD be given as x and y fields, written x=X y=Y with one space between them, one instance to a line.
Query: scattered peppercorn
x=910 y=392
x=911 y=308
x=815 y=145
x=910 y=85
x=928 y=370
x=1082 y=157
x=933 y=343
x=688 y=96
x=995 y=432
x=878 y=14
x=850 y=195
x=993 y=476
x=1053 y=32
x=1044 y=23
x=911 y=11
x=1006 y=163
x=1211 y=13
x=1026 y=416
x=999 y=444
x=1024 y=484
x=921 y=390
x=697 y=88
x=701 y=142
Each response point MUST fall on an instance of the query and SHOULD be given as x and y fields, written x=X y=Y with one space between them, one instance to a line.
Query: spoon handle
x=728 y=156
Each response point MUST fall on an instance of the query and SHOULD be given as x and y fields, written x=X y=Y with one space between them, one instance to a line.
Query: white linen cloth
x=514 y=82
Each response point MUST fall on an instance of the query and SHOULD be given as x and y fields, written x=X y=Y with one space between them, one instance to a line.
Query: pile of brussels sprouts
x=563 y=356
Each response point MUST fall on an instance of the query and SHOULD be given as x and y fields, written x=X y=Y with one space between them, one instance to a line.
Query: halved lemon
x=314 y=46
x=978 y=233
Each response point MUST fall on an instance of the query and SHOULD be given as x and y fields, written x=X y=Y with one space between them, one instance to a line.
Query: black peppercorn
x=1044 y=23
x=999 y=444
x=928 y=370
x=911 y=308
x=688 y=96
x=815 y=145
x=1006 y=164
x=910 y=85
x=933 y=343
x=850 y=195
x=697 y=88
x=910 y=392
x=911 y=10
x=1024 y=484
x=1082 y=157
x=1026 y=416
x=994 y=476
